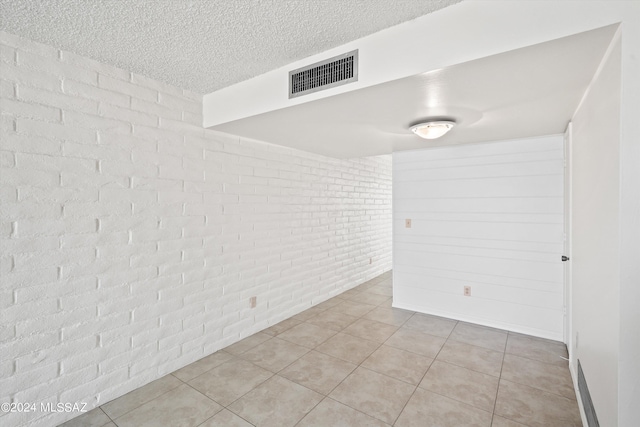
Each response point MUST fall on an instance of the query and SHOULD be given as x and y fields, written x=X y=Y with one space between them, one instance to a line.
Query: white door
x=567 y=238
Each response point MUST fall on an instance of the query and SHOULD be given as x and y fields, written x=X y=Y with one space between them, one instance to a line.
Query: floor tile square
x=335 y=414
x=331 y=302
x=543 y=376
x=536 y=408
x=351 y=293
x=432 y=325
x=277 y=402
x=318 y=372
x=275 y=354
x=472 y=357
x=225 y=418
x=539 y=349
x=180 y=407
x=464 y=385
x=387 y=304
x=247 y=343
x=416 y=342
x=499 y=421
x=332 y=320
x=384 y=290
x=361 y=289
x=481 y=336
x=94 y=418
x=374 y=394
x=140 y=396
x=229 y=381
x=385 y=281
x=366 y=285
x=347 y=347
x=309 y=313
x=352 y=308
x=389 y=315
x=282 y=326
x=399 y=364
x=368 y=298
x=370 y=330
x=307 y=335
x=427 y=409
x=203 y=365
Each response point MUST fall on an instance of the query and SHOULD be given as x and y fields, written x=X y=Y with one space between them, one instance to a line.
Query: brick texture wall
x=133 y=239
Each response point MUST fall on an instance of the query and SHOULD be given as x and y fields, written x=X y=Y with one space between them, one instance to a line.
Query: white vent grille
x=332 y=72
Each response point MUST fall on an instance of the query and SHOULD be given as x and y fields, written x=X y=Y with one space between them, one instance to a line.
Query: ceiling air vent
x=332 y=72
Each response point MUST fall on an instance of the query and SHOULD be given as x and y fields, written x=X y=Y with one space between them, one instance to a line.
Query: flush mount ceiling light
x=432 y=129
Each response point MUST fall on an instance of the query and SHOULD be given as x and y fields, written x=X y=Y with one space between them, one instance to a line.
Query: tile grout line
x=204 y=372
x=344 y=404
x=111 y=419
x=217 y=403
x=425 y=373
x=537 y=360
x=142 y=404
x=541 y=390
x=470 y=369
x=227 y=407
x=530 y=386
x=463 y=367
x=325 y=396
x=359 y=365
x=495 y=402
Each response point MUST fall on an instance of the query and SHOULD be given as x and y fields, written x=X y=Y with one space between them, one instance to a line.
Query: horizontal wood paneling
x=467 y=205
x=489 y=216
x=495 y=169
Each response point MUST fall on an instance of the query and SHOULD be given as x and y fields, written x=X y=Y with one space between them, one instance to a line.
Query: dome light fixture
x=432 y=129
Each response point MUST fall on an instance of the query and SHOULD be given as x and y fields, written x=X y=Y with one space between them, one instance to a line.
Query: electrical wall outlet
x=407 y=223
x=253 y=301
x=467 y=291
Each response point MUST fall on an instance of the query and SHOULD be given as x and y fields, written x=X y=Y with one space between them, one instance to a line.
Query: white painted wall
x=629 y=315
x=132 y=239
x=489 y=216
x=465 y=31
x=471 y=29
x=596 y=236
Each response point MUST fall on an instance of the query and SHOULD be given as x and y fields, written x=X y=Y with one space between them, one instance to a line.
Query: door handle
x=565 y=258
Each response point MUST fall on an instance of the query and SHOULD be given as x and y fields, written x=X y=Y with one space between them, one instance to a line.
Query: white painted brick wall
x=132 y=239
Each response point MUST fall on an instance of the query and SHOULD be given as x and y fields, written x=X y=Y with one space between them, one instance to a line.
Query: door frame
x=567 y=200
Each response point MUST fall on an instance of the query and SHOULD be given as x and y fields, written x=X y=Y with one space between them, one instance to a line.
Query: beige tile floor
x=356 y=361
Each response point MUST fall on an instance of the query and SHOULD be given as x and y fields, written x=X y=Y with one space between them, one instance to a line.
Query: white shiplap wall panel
x=513 y=246
x=481 y=230
x=516 y=205
x=496 y=169
x=503 y=314
x=483 y=186
x=540 y=296
x=489 y=216
x=475 y=151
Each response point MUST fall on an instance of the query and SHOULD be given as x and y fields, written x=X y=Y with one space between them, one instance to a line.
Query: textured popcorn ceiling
x=204 y=45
